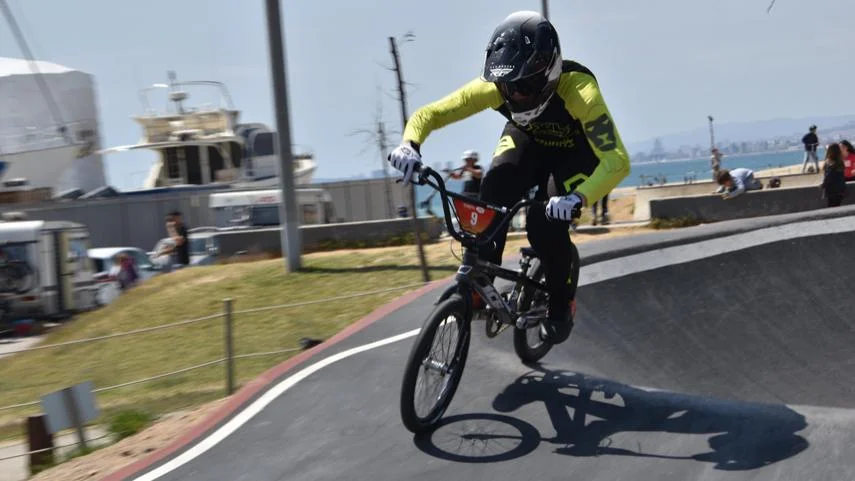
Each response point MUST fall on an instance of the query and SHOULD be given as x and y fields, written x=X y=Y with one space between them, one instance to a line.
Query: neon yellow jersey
x=576 y=119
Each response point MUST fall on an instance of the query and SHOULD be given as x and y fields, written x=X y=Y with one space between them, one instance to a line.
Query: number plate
x=473 y=218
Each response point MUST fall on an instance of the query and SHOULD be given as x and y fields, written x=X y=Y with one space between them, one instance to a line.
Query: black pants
x=604 y=202
x=520 y=164
x=835 y=200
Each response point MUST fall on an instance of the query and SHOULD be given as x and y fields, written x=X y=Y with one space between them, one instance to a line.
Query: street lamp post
x=290 y=233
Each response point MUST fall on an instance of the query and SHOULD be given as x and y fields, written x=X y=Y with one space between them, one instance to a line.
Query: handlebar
x=427 y=176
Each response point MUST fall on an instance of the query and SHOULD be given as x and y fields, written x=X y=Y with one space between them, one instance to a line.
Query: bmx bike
x=522 y=305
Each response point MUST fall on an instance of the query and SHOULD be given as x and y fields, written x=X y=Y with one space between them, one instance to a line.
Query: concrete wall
x=643 y=195
x=314 y=236
x=765 y=202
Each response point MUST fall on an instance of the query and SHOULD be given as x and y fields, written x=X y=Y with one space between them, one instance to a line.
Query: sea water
x=645 y=173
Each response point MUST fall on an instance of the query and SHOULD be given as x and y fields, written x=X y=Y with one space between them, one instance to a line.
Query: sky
x=662 y=65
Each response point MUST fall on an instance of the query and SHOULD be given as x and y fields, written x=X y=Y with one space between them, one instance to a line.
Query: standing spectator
x=811 y=142
x=715 y=162
x=833 y=184
x=604 y=208
x=848 y=160
x=182 y=244
x=179 y=248
x=472 y=171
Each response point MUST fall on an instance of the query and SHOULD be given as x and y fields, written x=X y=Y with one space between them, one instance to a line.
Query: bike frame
x=474 y=274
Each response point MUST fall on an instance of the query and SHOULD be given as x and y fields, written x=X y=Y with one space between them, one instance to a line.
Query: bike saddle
x=528 y=252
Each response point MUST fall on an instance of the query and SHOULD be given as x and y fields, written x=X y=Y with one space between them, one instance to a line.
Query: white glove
x=405 y=158
x=563 y=208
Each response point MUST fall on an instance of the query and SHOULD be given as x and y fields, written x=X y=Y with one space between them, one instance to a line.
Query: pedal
x=531 y=318
x=493 y=326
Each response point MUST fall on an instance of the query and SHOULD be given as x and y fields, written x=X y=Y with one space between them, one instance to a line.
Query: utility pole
x=381 y=144
x=545 y=7
x=290 y=233
x=712 y=135
x=412 y=189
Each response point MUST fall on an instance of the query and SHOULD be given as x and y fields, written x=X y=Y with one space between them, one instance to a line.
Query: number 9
x=473 y=219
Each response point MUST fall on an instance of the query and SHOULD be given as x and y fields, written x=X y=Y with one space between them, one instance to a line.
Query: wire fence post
x=230 y=358
x=40 y=442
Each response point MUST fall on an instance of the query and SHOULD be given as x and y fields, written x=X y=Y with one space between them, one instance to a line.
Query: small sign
x=68 y=407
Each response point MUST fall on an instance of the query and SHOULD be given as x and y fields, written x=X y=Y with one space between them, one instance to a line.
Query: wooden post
x=39 y=438
x=230 y=355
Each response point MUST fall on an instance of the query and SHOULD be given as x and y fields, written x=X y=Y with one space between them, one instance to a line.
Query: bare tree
x=378 y=137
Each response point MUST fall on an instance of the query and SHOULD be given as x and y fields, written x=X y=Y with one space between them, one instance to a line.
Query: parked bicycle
x=522 y=305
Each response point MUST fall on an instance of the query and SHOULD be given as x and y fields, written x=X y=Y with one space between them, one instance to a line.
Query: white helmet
x=470 y=154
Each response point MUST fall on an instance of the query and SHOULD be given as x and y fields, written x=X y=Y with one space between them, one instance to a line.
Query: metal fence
x=138 y=220
x=228 y=317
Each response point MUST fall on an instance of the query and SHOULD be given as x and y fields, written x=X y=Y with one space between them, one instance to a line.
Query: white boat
x=206 y=144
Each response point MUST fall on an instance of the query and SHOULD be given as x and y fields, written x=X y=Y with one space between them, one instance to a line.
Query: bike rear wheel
x=448 y=324
x=528 y=345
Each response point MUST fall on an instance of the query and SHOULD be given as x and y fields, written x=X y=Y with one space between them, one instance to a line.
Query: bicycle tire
x=527 y=353
x=454 y=305
x=531 y=354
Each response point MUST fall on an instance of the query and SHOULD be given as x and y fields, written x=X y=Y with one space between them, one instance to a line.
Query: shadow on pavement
x=742 y=436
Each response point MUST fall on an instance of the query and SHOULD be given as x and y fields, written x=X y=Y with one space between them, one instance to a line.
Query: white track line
x=259 y=404
x=598 y=272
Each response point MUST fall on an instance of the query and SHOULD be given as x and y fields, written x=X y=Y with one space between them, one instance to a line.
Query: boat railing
x=177 y=96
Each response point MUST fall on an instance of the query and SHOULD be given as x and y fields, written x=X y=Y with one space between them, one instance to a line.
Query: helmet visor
x=524 y=94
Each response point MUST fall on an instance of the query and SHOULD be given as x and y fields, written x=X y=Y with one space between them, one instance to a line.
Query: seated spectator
x=735 y=182
x=833 y=184
x=848 y=160
x=126 y=271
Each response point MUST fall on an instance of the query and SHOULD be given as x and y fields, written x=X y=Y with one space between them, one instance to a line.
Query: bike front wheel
x=435 y=365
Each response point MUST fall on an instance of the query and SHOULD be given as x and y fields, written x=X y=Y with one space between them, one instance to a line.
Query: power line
x=770 y=6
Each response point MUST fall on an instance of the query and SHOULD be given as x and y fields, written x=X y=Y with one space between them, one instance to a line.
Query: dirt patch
x=114 y=457
x=210 y=279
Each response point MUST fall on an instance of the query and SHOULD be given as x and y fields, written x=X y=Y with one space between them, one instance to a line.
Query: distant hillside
x=744 y=132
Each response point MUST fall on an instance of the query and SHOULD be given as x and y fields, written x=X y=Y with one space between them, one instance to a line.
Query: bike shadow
x=743 y=436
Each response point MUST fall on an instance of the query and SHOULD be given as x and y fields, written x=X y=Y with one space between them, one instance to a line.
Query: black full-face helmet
x=524 y=60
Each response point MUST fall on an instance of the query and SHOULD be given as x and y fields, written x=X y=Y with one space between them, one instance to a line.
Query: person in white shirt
x=736 y=182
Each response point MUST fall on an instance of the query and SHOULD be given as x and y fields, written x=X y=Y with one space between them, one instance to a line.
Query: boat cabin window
x=236 y=152
x=263 y=144
x=173 y=165
x=194 y=165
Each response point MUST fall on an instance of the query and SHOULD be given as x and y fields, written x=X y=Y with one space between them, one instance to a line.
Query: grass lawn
x=198 y=292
